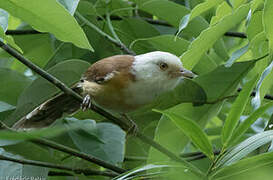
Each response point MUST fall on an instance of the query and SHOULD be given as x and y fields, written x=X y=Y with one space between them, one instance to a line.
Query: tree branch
x=86 y=172
x=76 y=153
x=116 y=18
x=98 y=110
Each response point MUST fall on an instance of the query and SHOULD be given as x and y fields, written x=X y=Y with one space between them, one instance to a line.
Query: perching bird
x=121 y=83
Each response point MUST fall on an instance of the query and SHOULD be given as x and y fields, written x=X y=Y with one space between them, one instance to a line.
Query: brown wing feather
x=49 y=111
x=99 y=70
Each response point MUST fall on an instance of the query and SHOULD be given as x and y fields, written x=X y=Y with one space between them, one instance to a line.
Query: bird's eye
x=163 y=66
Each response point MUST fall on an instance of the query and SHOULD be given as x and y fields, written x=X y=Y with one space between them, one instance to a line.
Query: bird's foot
x=86 y=103
x=133 y=129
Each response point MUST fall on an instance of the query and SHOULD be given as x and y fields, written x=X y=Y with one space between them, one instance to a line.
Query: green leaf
x=12 y=85
x=201 y=45
x=267 y=19
x=193 y=131
x=4 y=17
x=130 y=29
x=102 y=140
x=5 y=106
x=236 y=55
x=223 y=81
x=48 y=16
x=162 y=9
x=139 y=170
x=16 y=170
x=255 y=25
x=256 y=167
x=46 y=132
x=36 y=47
x=161 y=43
x=250 y=120
x=70 y=5
x=244 y=148
x=236 y=111
x=263 y=85
x=69 y=72
x=197 y=11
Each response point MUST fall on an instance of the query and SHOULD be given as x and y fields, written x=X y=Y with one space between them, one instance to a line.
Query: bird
x=119 y=84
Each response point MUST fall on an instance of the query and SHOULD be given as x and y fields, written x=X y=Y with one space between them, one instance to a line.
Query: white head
x=158 y=72
x=159 y=65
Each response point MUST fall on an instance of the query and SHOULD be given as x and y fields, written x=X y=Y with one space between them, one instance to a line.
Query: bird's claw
x=86 y=103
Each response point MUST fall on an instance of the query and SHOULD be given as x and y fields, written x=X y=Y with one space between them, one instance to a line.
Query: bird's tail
x=49 y=111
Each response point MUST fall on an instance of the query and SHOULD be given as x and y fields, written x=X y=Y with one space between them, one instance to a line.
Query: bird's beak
x=187 y=73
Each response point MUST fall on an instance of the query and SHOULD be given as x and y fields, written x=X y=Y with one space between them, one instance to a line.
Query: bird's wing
x=105 y=69
x=49 y=111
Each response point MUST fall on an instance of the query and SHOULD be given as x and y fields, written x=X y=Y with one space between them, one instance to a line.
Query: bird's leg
x=86 y=103
x=133 y=129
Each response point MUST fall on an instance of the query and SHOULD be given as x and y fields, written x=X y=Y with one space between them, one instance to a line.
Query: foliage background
x=222 y=134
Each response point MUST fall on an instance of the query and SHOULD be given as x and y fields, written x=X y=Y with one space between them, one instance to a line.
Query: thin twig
x=22 y=32
x=114 y=41
x=76 y=153
x=61 y=167
x=236 y=34
x=68 y=150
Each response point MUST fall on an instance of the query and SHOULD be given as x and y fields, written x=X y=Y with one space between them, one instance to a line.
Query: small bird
x=120 y=83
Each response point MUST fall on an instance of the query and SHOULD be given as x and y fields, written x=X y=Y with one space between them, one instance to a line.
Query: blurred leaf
x=86 y=8
x=70 y=5
x=255 y=25
x=193 y=131
x=69 y=72
x=247 y=168
x=161 y=43
x=17 y=171
x=236 y=55
x=265 y=81
x=21 y=135
x=48 y=16
x=268 y=27
x=102 y=140
x=130 y=29
x=229 y=3
x=263 y=85
x=5 y=106
x=222 y=10
x=37 y=48
x=4 y=19
x=243 y=149
x=236 y=111
x=83 y=128
x=9 y=40
x=223 y=81
x=200 y=45
x=197 y=11
x=12 y=84
x=250 y=120
x=138 y=170
x=162 y=9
